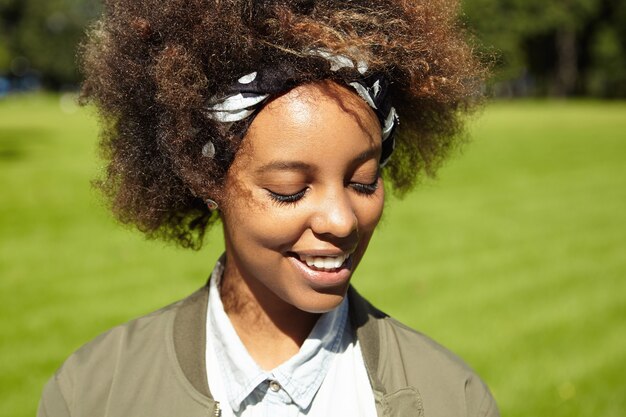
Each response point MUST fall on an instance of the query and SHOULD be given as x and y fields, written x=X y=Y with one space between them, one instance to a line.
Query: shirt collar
x=301 y=376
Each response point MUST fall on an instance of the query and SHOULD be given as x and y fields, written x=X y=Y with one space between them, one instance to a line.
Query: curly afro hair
x=150 y=67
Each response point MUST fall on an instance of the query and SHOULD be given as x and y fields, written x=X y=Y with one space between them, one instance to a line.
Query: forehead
x=324 y=119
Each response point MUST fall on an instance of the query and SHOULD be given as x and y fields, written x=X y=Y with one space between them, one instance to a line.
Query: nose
x=335 y=215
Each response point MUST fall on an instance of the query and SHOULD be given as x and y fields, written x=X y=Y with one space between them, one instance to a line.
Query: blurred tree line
x=552 y=47
x=38 y=40
x=536 y=47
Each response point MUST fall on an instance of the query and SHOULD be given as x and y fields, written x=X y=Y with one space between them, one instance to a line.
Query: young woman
x=279 y=118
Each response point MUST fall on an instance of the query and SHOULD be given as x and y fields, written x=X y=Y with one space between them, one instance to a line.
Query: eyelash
x=286 y=199
x=365 y=189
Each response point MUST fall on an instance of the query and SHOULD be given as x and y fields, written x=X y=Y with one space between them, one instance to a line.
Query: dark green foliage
x=553 y=47
x=39 y=38
x=521 y=35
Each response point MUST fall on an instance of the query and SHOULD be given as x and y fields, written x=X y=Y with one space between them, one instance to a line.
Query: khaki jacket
x=154 y=366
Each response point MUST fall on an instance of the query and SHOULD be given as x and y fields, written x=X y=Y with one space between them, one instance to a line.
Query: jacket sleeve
x=480 y=402
x=488 y=408
x=52 y=403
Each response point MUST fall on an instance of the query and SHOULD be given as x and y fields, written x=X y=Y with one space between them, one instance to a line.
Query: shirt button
x=274 y=386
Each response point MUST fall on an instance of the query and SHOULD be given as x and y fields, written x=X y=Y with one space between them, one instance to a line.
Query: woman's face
x=303 y=197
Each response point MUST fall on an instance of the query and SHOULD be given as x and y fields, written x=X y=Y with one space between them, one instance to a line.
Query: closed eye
x=286 y=198
x=366 y=189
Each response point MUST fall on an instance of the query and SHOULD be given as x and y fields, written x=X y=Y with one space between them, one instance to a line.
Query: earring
x=211 y=204
x=208 y=150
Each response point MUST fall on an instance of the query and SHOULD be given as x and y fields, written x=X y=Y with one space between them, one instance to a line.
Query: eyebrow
x=368 y=154
x=304 y=167
x=285 y=166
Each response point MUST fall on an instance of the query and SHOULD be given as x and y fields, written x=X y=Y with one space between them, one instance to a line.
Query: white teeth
x=330 y=263
x=318 y=262
x=325 y=262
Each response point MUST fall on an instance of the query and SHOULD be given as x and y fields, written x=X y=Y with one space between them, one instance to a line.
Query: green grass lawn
x=515 y=258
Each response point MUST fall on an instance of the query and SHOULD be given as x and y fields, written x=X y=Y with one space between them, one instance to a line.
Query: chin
x=321 y=302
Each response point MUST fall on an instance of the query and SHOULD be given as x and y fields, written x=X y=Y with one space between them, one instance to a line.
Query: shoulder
x=113 y=359
x=420 y=351
x=439 y=375
x=405 y=357
x=139 y=336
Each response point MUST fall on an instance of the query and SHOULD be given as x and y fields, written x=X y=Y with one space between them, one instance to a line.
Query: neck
x=271 y=329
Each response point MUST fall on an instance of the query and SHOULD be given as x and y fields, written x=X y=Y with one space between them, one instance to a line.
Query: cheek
x=369 y=216
x=370 y=211
x=252 y=221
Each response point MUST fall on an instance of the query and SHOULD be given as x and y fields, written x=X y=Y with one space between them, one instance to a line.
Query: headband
x=244 y=99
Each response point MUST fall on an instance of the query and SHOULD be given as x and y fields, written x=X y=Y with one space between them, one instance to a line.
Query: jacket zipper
x=218 y=411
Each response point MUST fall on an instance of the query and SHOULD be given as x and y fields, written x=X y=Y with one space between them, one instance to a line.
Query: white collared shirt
x=327 y=377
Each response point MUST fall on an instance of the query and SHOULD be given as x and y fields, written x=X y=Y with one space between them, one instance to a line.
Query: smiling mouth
x=324 y=263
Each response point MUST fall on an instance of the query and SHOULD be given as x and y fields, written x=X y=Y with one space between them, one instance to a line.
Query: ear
x=211 y=204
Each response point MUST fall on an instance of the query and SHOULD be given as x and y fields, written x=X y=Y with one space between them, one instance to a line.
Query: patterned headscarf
x=245 y=98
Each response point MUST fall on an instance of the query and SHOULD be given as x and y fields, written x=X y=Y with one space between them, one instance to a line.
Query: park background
x=514 y=257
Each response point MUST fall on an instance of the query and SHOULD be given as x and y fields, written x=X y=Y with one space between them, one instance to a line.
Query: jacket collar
x=190 y=339
x=363 y=319
x=392 y=399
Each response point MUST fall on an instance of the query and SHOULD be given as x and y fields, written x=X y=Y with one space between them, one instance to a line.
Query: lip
x=322 y=252
x=323 y=279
